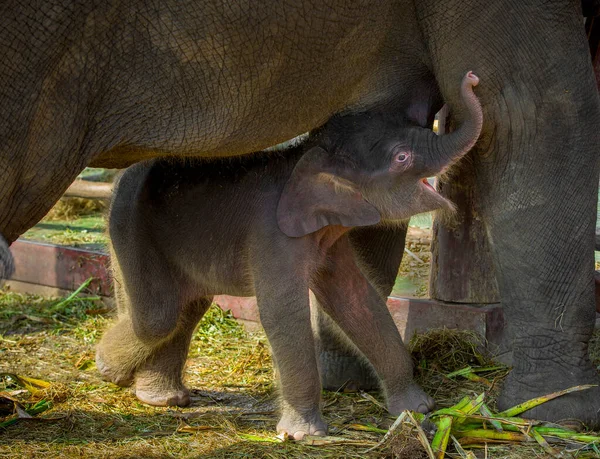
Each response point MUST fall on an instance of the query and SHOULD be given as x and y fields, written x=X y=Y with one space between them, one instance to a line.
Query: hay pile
x=68 y=209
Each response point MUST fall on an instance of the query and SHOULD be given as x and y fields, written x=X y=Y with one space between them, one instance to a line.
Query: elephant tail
x=7 y=263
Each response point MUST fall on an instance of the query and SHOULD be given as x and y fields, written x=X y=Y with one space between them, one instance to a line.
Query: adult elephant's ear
x=316 y=196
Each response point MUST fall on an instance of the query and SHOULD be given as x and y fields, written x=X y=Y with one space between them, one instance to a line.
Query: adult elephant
x=111 y=83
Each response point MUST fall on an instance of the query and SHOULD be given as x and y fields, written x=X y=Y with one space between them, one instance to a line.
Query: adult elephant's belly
x=224 y=93
x=112 y=83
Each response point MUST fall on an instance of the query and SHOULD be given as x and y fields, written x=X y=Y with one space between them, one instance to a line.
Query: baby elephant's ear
x=316 y=196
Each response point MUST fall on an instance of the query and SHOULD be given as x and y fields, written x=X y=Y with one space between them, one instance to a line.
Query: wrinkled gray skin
x=272 y=225
x=109 y=83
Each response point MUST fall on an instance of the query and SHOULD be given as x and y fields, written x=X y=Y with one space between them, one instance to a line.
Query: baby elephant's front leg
x=285 y=315
x=351 y=301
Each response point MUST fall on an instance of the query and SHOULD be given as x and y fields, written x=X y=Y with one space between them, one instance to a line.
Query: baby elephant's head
x=365 y=168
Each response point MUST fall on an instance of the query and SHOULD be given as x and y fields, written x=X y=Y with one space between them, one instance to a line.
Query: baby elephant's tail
x=7 y=264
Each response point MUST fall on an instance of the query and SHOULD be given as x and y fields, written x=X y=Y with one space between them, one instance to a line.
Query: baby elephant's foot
x=157 y=392
x=411 y=398
x=297 y=425
x=114 y=373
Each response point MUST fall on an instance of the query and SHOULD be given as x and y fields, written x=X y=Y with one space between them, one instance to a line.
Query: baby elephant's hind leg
x=159 y=380
x=361 y=313
x=150 y=315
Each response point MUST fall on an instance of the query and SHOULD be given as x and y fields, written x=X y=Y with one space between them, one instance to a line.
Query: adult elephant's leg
x=379 y=252
x=32 y=182
x=537 y=173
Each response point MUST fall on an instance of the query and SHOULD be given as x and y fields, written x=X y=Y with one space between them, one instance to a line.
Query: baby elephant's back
x=200 y=217
x=182 y=202
x=176 y=196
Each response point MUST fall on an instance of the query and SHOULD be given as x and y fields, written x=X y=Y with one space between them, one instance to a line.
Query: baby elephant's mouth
x=425 y=182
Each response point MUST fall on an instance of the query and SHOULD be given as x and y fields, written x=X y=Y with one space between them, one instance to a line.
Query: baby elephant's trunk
x=449 y=148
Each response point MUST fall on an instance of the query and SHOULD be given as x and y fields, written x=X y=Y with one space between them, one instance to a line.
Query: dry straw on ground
x=233 y=414
x=233 y=411
x=72 y=208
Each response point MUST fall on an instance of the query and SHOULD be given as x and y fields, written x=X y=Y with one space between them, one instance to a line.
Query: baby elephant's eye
x=402 y=160
x=401 y=156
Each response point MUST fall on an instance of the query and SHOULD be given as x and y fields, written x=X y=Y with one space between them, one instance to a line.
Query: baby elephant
x=272 y=225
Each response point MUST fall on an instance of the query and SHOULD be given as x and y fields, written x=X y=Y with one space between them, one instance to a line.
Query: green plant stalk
x=367 y=428
x=485 y=411
x=256 y=438
x=39 y=407
x=419 y=417
x=467 y=429
x=462 y=409
x=73 y=296
x=473 y=405
x=529 y=404
x=460 y=405
x=441 y=437
x=470 y=370
x=544 y=444
x=31 y=384
x=461 y=372
x=566 y=434
x=507 y=424
x=484 y=434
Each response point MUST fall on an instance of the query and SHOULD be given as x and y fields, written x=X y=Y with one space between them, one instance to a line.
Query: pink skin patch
x=425 y=182
x=473 y=79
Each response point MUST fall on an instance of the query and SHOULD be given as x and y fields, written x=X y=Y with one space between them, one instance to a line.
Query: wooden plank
x=411 y=315
x=417 y=315
x=89 y=190
x=61 y=267
x=44 y=268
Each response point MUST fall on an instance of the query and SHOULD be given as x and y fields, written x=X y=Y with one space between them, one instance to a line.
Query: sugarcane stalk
x=544 y=444
x=485 y=411
x=566 y=434
x=485 y=435
x=529 y=404
x=441 y=437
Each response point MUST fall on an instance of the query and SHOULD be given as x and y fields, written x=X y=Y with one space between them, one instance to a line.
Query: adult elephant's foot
x=297 y=425
x=155 y=390
x=121 y=375
x=583 y=405
x=412 y=398
x=339 y=368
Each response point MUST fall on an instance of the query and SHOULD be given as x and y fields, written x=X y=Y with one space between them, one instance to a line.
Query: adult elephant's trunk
x=7 y=265
x=451 y=147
